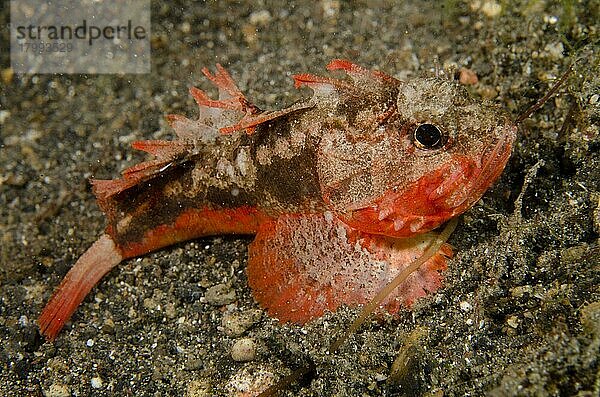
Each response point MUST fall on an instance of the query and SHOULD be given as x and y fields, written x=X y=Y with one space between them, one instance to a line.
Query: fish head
x=411 y=155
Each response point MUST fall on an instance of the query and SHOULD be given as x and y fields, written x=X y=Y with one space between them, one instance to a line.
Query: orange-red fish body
x=340 y=189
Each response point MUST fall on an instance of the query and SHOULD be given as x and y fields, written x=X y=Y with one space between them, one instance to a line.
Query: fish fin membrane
x=299 y=267
x=102 y=256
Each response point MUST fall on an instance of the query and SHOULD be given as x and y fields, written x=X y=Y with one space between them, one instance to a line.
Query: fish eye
x=428 y=136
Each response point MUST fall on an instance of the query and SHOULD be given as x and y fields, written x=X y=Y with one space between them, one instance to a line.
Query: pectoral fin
x=301 y=266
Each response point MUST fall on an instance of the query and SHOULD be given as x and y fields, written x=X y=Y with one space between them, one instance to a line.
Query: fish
x=341 y=190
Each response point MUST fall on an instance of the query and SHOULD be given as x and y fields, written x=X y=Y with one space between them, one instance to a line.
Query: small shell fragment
x=243 y=350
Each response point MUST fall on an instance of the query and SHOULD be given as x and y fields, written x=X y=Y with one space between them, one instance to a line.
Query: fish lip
x=496 y=156
x=489 y=166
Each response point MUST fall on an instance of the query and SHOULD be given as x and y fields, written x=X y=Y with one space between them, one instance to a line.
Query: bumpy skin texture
x=339 y=189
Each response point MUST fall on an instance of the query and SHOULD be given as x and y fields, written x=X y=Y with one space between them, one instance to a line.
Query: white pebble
x=555 y=50
x=250 y=381
x=243 y=350
x=57 y=390
x=513 y=321
x=260 y=17
x=4 y=114
x=96 y=382
x=491 y=9
x=23 y=321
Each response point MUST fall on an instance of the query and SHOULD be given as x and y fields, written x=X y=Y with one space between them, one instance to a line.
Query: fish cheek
x=344 y=170
x=354 y=173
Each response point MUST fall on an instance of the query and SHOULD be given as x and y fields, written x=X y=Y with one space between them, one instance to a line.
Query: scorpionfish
x=340 y=190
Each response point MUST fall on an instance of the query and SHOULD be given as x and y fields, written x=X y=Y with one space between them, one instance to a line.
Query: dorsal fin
x=160 y=149
x=361 y=75
x=361 y=80
x=104 y=189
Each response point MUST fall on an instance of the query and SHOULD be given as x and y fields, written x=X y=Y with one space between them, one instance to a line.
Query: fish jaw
x=436 y=197
x=489 y=168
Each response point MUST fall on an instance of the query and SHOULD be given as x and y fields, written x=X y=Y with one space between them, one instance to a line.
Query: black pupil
x=429 y=136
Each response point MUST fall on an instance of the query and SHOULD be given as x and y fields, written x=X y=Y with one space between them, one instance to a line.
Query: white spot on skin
x=198 y=176
x=297 y=139
x=384 y=213
x=235 y=192
x=282 y=149
x=328 y=215
x=341 y=233
x=263 y=155
x=416 y=225
x=323 y=90
x=398 y=224
x=123 y=223
x=242 y=161
x=224 y=167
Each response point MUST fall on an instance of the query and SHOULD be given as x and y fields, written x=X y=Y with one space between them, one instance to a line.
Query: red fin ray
x=360 y=74
x=165 y=152
x=161 y=149
x=319 y=83
x=203 y=100
x=224 y=82
x=361 y=79
x=106 y=188
x=230 y=96
x=142 y=170
x=236 y=113
x=231 y=99
x=253 y=121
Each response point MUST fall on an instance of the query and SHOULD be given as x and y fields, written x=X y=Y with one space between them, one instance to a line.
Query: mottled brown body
x=339 y=189
x=337 y=153
x=231 y=173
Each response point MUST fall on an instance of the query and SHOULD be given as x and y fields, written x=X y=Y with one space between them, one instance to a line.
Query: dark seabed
x=520 y=310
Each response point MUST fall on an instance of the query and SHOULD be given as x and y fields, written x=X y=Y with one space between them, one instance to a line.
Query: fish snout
x=486 y=169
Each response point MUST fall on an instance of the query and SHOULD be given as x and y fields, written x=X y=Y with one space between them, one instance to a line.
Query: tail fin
x=102 y=256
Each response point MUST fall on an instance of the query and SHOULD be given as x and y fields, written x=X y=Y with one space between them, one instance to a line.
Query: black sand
x=520 y=310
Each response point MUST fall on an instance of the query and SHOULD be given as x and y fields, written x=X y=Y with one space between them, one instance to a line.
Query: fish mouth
x=486 y=171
